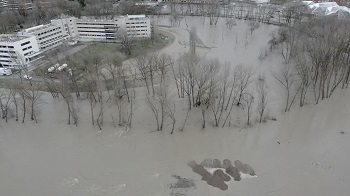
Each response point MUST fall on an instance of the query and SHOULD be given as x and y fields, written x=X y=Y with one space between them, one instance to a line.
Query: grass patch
x=161 y=40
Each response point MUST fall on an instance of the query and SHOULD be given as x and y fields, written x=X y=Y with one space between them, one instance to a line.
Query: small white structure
x=62 y=67
x=53 y=68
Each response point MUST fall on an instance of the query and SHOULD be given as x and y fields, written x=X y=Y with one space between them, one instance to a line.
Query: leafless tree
x=248 y=99
x=170 y=112
x=213 y=12
x=287 y=78
x=5 y=101
x=126 y=40
x=253 y=25
x=244 y=78
x=32 y=93
x=262 y=96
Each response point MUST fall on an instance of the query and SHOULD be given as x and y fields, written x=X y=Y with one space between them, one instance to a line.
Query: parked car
x=5 y=71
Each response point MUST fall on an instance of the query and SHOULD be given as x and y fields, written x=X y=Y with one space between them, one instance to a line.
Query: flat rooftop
x=11 y=37
x=37 y=28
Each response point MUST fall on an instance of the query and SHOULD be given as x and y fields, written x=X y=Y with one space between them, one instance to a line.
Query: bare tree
x=170 y=112
x=287 y=78
x=32 y=93
x=248 y=99
x=244 y=78
x=253 y=25
x=126 y=40
x=262 y=96
x=213 y=12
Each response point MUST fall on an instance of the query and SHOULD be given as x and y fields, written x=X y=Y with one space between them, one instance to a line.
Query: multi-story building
x=138 y=26
x=18 y=50
x=44 y=3
x=26 y=45
x=96 y=30
x=135 y=26
x=48 y=36
x=68 y=23
x=17 y=4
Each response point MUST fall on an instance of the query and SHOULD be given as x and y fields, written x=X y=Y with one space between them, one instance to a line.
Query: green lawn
x=161 y=40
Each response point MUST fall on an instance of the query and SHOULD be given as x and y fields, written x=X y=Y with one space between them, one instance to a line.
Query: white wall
x=23 y=49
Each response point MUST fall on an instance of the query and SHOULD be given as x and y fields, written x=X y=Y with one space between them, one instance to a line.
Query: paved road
x=43 y=62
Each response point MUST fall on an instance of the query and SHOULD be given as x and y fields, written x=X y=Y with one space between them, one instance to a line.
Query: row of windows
x=6 y=47
x=54 y=43
x=50 y=40
x=96 y=28
x=1 y=56
x=49 y=35
x=4 y=51
x=25 y=43
x=136 y=18
x=135 y=30
x=91 y=31
x=136 y=23
x=7 y=61
x=136 y=27
x=92 y=35
x=49 y=31
x=137 y=33
x=95 y=24
x=24 y=49
x=28 y=53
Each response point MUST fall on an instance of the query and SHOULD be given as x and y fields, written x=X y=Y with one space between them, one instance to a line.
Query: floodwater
x=302 y=153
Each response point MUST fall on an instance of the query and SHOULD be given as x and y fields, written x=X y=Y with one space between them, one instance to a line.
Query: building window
x=25 y=43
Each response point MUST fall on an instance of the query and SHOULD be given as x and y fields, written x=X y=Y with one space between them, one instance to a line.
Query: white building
x=29 y=43
x=48 y=36
x=18 y=50
x=69 y=26
x=136 y=26
x=90 y=29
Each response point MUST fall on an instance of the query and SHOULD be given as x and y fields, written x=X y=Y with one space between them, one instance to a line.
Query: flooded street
x=302 y=153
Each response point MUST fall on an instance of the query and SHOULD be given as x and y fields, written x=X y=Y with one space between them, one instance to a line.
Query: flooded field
x=302 y=153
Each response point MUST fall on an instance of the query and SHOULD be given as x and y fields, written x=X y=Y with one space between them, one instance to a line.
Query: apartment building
x=18 y=50
x=48 y=36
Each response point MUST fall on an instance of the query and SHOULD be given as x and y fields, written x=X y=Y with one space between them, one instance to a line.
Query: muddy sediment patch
x=222 y=173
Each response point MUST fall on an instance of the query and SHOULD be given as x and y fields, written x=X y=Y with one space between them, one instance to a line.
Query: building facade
x=96 y=30
x=138 y=26
x=16 y=4
x=135 y=26
x=26 y=45
x=18 y=50
x=69 y=27
x=48 y=36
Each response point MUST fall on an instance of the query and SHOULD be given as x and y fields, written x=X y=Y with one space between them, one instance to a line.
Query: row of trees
x=209 y=88
x=315 y=59
x=290 y=14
